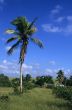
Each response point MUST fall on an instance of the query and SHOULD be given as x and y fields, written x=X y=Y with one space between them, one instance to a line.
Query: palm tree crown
x=23 y=34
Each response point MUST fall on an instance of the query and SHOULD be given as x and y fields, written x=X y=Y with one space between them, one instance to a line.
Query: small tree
x=28 y=77
x=60 y=76
x=4 y=81
x=48 y=79
x=40 y=80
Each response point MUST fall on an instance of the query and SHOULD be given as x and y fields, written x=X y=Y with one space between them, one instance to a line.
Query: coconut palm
x=23 y=35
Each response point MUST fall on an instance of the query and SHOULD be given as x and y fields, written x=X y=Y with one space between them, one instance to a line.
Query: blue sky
x=54 y=29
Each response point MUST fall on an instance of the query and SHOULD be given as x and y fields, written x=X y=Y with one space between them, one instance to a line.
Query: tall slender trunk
x=21 y=88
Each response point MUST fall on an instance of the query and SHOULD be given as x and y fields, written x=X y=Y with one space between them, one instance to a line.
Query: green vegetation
x=4 y=81
x=44 y=80
x=63 y=92
x=5 y=90
x=60 y=76
x=67 y=81
x=36 y=94
x=35 y=99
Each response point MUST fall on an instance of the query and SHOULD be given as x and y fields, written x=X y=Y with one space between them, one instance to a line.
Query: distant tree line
x=41 y=81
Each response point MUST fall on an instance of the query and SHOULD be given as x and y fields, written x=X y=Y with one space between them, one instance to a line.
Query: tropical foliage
x=63 y=92
x=4 y=81
x=60 y=76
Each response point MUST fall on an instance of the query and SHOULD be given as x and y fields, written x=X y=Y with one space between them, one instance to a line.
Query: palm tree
x=23 y=35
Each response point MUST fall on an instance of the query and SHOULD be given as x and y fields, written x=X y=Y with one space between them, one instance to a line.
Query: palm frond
x=10 y=31
x=11 y=39
x=10 y=51
x=37 y=41
x=31 y=31
x=32 y=23
x=21 y=24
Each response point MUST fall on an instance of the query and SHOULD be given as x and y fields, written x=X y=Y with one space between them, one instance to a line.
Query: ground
x=35 y=99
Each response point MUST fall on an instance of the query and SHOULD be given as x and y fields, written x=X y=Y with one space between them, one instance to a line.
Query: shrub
x=63 y=92
x=4 y=81
x=15 y=85
x=16 y=90
x=28 y=85
x=42 y=80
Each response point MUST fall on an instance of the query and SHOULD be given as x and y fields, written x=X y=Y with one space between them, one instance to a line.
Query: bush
x=4 y=81
x=16 y=90
x=63 y=92
x=4 y=98
x=42 y=80
x=28 y=85
x=15 y=85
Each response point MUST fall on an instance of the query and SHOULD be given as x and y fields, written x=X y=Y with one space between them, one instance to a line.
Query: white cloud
x=49 y=71
x=59 y=23
x=68 y=72
x=4 y=61
x=56 y=10
x=60 y=19
x=36 y=65
x=27 y=66
x=13 y=68
x=51 y=28
x=68 y=29
x=69 y=18
x=52 y=62
x=3 y=67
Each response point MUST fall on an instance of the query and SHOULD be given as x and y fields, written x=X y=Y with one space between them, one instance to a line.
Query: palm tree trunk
x=21 y=88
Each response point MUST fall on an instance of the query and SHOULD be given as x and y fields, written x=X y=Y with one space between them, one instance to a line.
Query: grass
x=36 y=99
x=5 y=90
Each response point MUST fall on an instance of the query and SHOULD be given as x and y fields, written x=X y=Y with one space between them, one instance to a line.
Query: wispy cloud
x=52 y=62
x=61 y=24
x=12 y=68
x=56 y=10
x=49 y=71
x=27 y=66
x=69 y=18
x=67 y=30
x=4 y=61
x=51 y=28
x=2 y=1
x=60 y=19
x=53 y=72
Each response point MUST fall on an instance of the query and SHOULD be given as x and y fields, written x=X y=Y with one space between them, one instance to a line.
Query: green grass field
x=36 y=99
